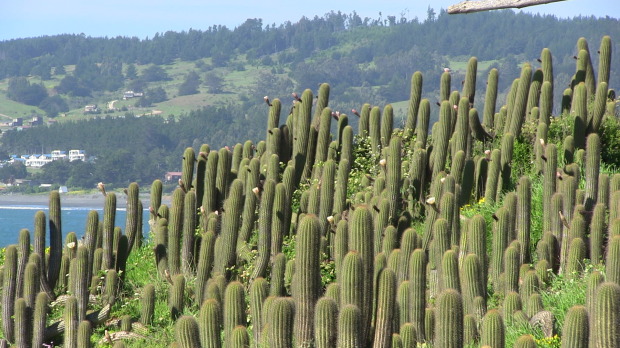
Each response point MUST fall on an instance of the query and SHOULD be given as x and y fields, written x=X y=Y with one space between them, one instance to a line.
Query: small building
x=36 y=121
x=59 y=155
x=91 y=108
x=172 y=176
x=17 y=122
x=128 y=95
x=77 y=155
x=63 y=189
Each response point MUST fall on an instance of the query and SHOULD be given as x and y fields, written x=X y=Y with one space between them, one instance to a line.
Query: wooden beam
x=486 y=5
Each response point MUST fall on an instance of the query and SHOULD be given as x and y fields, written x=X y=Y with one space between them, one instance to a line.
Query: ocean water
x=13 y=218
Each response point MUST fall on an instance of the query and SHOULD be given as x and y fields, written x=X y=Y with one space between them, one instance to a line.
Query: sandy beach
x=94 y=200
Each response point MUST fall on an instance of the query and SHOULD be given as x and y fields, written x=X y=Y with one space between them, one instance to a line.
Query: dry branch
x=486 y=5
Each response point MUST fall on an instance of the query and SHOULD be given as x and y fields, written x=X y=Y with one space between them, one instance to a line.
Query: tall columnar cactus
x=234 y=309
x=9 y=284
x=351 y=280
x=188 y=262
x=133 y=216
x=175 y=227
x=384 y=316
x=39 y=319
x=584 y=58
x=461 y=129
x=492 y=329
x=81 y=282
x=523 y=223
x=325 y=322
x=189 y=157
x=264 y=229
x=440 y=145
x=606 y=319
x=549 y=182
x=223 y=176
x=580 y=110
x=363 y=125
x=517 y=116
x=490 y=100
x=595 y=118
x=187 y=332
x=176 y=298
x=508 y=141
x=575 y=329
x=258 y=292
x=210 y=324
x=387 y=124
x=531 y=110
x=109 y=217
x=449 y=271
x=22 y=324
x=444 y=86
x=449 y=331
x=226 y=242
x=593 y=164
x=55 y=229
x=360 y=240
x=307 y=278
x=612 y=264
x=469 y=87
x=280 y=327
x=473 y=283
x=324 y=137
x=374 y=129
x=414 y=101
x=326 y=192
x=511 y=269
x=350 y=334
x=604 y=60
x=403 y=304
x=71 y=322
x=393 y=178
x=424 y=113
x=147 y=307
x=525 y=341
x=23 y=252
x=493 y=172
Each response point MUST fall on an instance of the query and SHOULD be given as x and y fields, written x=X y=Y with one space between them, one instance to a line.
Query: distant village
x=39 y=160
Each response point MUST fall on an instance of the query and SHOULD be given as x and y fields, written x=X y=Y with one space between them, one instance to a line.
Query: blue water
x=14 y=218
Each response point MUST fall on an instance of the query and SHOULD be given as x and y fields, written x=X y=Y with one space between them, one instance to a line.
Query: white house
x=77 y=155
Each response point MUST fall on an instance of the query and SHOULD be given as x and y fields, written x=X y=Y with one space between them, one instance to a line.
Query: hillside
x=501 y=232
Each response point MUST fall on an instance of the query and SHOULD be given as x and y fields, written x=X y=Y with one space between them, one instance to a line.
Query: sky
x=142 y=18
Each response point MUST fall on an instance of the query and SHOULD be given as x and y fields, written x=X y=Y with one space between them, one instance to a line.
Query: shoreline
x=92 y=200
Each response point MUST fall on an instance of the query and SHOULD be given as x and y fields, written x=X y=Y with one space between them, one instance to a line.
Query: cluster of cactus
x=218 y=245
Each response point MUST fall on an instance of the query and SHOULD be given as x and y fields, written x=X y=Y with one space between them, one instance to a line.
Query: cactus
x=531 y=110
x=575 y=330
x=492 y=329
x=187 y=332
x=424 y=112
x=210 y=324
x=277 y=275
x=612 y=264
x=473 y=284
x=257 y=294
x=80 y=282
x=385 y=308
x=593 y=163
x=323 y=139
x=225 y=255
x=387 y=124
x=523 y=223
x=490 y=100
x=109 y=216
x=393 y=178
x=449 y=272
x=132 y=221
x=188 y=263
x=147 y=304
x=22 y=325
x=176 y=296
x=325 y=320
x=307 y=278
x=360 y=240
x=281 y=324
x=39 y=319
x=469 y=87
x=440 y=145
x=326 y=192
x=351 y=280
x=205 y=261
x=449 y=331
x=71 y=322
x=517 y=116
x=579 y=109
x=462 y=129
x=55 y=228
x=175 y=227
x=264 y=229
x=525 y=341
x=350 y=334
x=403 y=304
x=414 y=100
x=606 y=321
x=234 y=309
x=8 y=292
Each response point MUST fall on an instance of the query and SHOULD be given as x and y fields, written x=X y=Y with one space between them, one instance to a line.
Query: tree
x=16 y=170
x=20 y=90
x=155 y=73
x=131 y=72
x=190 y=85
x=54 y=105
x=214 y=82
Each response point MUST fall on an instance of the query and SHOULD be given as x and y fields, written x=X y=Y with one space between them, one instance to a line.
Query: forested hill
x=223 y=74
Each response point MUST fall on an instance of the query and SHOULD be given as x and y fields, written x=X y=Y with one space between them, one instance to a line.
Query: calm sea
x=15 y=217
